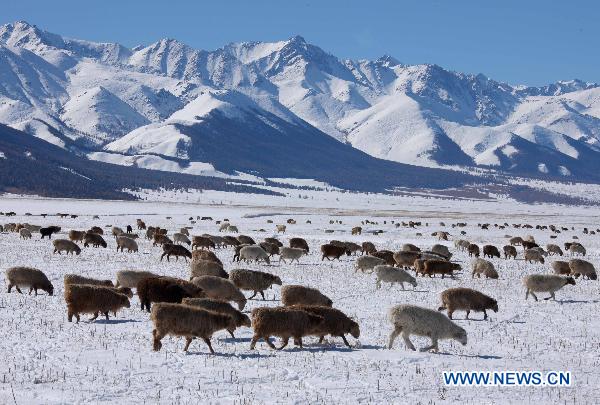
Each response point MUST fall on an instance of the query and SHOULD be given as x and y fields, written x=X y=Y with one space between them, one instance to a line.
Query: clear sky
x=521 y=42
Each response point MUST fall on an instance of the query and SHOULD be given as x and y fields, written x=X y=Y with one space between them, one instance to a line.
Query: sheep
x=364 y=263
x=461 y=244
x=165 y=289
x=207 y=268
x=25 y=233
x=246 y=240
x=131 y=278
x=490 y=251
x=96 y=229
x=77 y=279
x=577 y=248
x=187 y=321
x=561 y=267
x=473 y=250
x=140 y=224
x=386 y=255
x=299 y=243
x=256 y=281
x=49 y=231
x=64 y=245
x=280 y=228
x=93 y=239
x=528 y=245
x=554 y=249
x=218 y=241
x=116 y=231
x=93 y=299
x=180 y=238
x=390 y=274
x=532 y=256
x=274 y=241
x=481 y=266
x=270 y=248
x=300 y=295
x=150 y=232
x=582 y=268
x=233 y=229
x=170 y=249
x=336 y=323
x=220 y=289
x=357 y=230
x=220 y=307
x=184 y=231
x=223 y=227
x=545 y=283
x=160 y=239
x=254 y=254
x=28 y=277
x=368 y=248
x=442 y=251
x=206 y=255
x=409 y=247
x=285 y=323
x=331 y=251
x=230 y=241
x=510 y=251
x=352 y=248
x=413 y=320
x=124 y=242
x=466 y=299
x=442 y=267
x=406 y=259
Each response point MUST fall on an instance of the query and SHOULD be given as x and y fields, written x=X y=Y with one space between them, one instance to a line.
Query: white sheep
x=365 y=263
x=254 y=253
x=391 y=274
x=291 y=254
x=533 y=255
x=482 y=266
x=413 y=320
x=545 y=283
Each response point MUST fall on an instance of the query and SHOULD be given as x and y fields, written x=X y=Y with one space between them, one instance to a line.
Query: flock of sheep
x=201 y=305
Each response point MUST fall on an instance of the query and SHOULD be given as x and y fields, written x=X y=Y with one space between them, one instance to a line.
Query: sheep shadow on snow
x=113 y=321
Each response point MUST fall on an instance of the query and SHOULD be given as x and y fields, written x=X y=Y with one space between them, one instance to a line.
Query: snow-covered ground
x=48 y=360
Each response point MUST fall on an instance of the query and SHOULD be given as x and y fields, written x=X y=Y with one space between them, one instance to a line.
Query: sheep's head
x=542 y=260
x=494 y=305
x=277 y=280
x=570 y=280
x=413 y=282
x=245 y=321
x=354 y=330
x=241 y=304
x=78 y=251
x=50 y=289
x=267 y=260
x=461 y=336
x=456 y=266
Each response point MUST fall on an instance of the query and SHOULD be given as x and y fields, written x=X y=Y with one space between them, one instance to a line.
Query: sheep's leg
x=526 y=294
x=378 y=284
x=397 y=330
x=345 y=340
x=484 y=315
x=70 y=316
x=534 y=296
x=231 y=333
x=262 y=295
x=432 y=347
x=106 y=315
x=156 y=344
x=285 y=343
x=30 y=290
x=468 y=312
x=207 y=341
x=10 y=286
x=450 y=312
x=271 y=345
x=406 y=338
x=253 y=342
x=402 y=285
x=299 y=343
x=161 y=257
x=78 y=317
x=188 y=340
x=253 y=295
x=551 y=296
x=94 y=317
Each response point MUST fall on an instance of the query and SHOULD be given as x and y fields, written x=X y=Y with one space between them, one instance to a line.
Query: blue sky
x=521 y=42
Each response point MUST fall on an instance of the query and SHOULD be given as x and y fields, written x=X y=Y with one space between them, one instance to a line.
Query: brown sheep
x=331 y=251
x=368 y=248
x=270 y=248
x=220 y=289
x=284 y=323
x=336 y=323
x=160 y=239
x=170 y=249
x=386 y=255
x=466 y=299
x=432 y=267
x=76 y=236
x=274 y=241
x=165 y=289
x=187 y=321
x=582 y=268
x=300 y=295
x=96 y=229
x=561 y=267
x=206 y=255
x=473 y=250
x=406 y=259
x=202 y=242
x=409 y=247
x=93 y=299
x=64 y=245
x=28 y=277
x=490 y=251
x=77 y=279
x=299 y=243
x=230 y=241
x=246 y=240
x=510 y=251
x=125 y=242
x=357 y=230
x=207 y=268
x=220 y=307
x=251 y=280
x=93 y=239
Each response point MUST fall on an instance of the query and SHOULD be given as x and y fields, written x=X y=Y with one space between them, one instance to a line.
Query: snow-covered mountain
x=157 y=106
